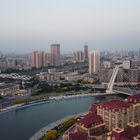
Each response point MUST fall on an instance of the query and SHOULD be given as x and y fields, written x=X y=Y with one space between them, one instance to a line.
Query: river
x=21 y=124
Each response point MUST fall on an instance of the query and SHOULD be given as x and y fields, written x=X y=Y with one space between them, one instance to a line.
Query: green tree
x=51 y=135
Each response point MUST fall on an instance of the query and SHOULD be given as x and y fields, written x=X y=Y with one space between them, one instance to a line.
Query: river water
x=21 y=124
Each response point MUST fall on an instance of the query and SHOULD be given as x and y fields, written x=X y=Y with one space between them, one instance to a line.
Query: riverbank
x=38 y=102
x=49 y=127
x=20 y=106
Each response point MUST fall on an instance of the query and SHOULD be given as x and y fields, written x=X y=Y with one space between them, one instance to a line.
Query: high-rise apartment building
x=94 y=62
x=86 y=53
x=55 y=54
x=78 y=56
x=46 y=59
x=40 y=59
x=34 y=58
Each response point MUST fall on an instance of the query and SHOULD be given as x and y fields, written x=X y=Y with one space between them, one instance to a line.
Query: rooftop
x=91 y=119
x=77 y=135
x=115 y=104
x=93 y=108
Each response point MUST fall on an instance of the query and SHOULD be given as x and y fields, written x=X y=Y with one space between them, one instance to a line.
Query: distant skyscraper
x=40 y=59
x=78 y=56
x=94 y=62
x=34 y=58
x=139 y=53
x=40 y=55
x=55 y=54
x=46 y=59
x=123 y=53
x=86 y=52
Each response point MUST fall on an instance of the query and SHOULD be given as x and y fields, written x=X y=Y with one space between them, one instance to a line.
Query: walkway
x=19 y=106
x=43 y=131
x=103 y=94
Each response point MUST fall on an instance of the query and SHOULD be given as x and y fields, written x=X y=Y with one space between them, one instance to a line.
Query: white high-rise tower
x=94 y=62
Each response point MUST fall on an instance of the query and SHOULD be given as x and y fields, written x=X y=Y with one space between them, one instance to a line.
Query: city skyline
x=34 y=25
x=70 y=69
x=81 y=48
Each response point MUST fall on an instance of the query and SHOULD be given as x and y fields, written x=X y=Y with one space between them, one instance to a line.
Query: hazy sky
x=27 y=25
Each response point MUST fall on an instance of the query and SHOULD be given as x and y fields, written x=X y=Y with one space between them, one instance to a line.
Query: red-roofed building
x=120 y=118
x=134 y=99
x=131 y=132
x=90 y=126
x=93 y=108
x=78 y=135
x=115 y=105
x=74 y=134
x=90 y=120
x=116 y=113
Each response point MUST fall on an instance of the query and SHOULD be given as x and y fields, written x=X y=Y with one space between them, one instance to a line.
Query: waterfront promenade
x=33 y=103
x=45 y=129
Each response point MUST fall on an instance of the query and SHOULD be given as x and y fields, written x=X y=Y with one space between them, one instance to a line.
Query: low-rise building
x=90 y=79
x=54 y=76
x=9 y=89
x=74 y=76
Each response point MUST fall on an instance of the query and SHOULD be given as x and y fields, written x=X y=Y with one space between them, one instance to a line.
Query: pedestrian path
x=42 y=131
